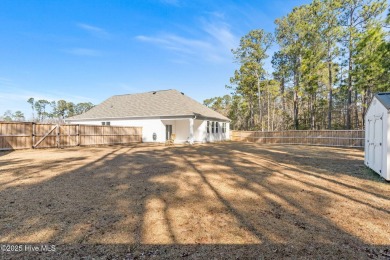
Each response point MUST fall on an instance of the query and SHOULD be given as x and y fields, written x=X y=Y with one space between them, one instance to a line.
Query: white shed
x=377 y=134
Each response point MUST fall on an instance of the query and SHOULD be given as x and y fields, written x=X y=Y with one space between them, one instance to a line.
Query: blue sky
x=87 y=51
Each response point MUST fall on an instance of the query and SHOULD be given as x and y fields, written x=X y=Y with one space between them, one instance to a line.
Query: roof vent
x=182 y=93
x=154 y=92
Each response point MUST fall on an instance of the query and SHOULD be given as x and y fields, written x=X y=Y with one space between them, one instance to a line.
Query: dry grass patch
x=226 y=200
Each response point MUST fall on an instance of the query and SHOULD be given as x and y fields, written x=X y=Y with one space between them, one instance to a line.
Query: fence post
x=78 y=135
x=33 y=135
x=58 y=136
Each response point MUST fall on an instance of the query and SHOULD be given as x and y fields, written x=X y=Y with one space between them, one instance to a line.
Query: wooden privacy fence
x=34 y=135
x=346 y=138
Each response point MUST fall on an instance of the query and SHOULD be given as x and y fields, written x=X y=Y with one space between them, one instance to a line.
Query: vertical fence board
x=15 y=135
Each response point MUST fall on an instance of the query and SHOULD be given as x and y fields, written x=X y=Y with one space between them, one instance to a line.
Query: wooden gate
x=45 y=136
x=57 y=136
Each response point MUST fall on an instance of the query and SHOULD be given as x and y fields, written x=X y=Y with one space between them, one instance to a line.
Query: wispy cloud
x=84 y=52
x=126 y=87
x=179 y=61
x=216 y=14
x=170 y=2
x=15 y=98
x=214 y=43
x=176 y=43
x=5 y=79
x=160 y=40
x=221 y=33
x=5 y=82
x=24 y=95
x=93 y=30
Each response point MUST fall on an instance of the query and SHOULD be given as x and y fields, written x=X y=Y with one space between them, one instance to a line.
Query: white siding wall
x=183 y=130
x=376 y=108
x=149 y=126
x=201 y=135
x=181 y=127
x=386 y=143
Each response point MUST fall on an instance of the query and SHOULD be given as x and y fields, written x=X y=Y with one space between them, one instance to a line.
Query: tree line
x=9 y=116
x=45 y=111
x=333 y=57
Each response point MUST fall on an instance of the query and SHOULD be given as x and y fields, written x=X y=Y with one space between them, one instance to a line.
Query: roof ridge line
x=144 y=92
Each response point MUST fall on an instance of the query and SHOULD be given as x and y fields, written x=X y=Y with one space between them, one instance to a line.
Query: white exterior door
x=168 y=132
x=375 y=139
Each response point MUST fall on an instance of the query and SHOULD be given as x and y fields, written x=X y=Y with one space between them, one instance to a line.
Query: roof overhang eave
x=130 y=118
x=211 y=118
x=194 y=116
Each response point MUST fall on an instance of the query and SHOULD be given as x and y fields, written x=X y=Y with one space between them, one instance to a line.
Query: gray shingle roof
x=384 y=98
x=164 y=103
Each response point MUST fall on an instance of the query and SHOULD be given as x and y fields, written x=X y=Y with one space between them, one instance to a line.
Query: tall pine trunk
x=268 y=109
x=330 y=81
x=313 y=112
x=296 y=98
x=259 y=100
x=356 y=111
x=364 y=105
x=251 y=116
x=273 y=115
x=349 y=96
x=296 y=123
x=282 y=87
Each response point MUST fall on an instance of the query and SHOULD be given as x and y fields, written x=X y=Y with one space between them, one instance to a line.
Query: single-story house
x=160 y=114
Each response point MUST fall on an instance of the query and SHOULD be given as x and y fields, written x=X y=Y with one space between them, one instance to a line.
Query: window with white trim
x=223 y=127
x=216 y=127
x=213 y=127
x=208 y=127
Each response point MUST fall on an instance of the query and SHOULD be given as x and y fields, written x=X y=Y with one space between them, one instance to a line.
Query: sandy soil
x=220 y=201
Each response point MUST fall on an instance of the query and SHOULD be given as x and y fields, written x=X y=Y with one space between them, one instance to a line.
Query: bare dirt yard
x=217 y=201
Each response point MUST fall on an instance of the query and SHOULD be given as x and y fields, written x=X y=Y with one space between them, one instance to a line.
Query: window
x=208 y=127
x=223 y=127
x=216 y=127
x=212 y=127
x=103 y=123
x=106 y=123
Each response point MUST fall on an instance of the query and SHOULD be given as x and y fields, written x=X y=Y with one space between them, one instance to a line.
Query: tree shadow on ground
x=321 y=158
x=224 y=200
x=5 y=152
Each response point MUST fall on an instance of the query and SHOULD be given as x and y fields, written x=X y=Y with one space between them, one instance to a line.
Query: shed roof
x=163 y=103
x=384 y=98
